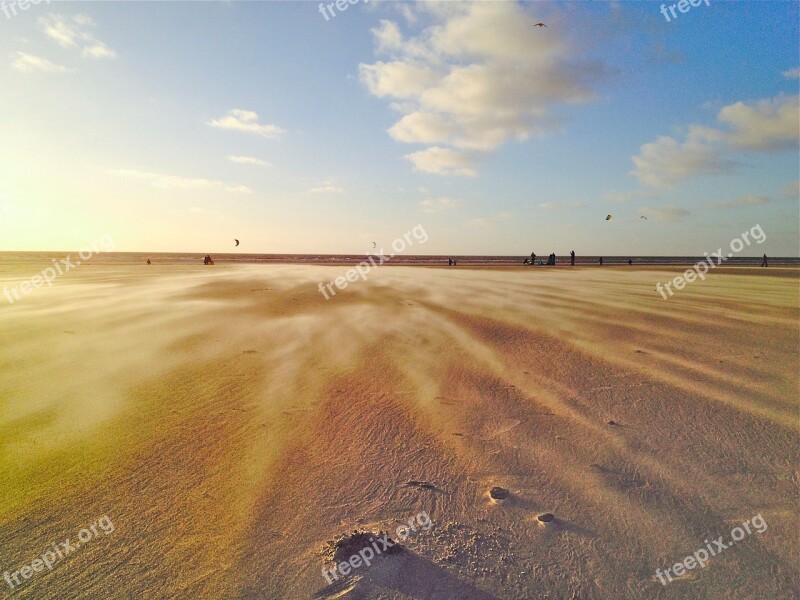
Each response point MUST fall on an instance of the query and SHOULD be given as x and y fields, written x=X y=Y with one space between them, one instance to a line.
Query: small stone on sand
x=546 y=517
x=498 y=493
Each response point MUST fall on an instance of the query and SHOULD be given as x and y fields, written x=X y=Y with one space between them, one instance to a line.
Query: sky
x=298 y=127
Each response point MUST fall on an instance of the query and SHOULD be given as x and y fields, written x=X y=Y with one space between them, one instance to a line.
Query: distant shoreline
x=181 y=258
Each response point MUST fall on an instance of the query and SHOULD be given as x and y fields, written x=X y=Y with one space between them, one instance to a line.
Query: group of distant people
x=551 y=260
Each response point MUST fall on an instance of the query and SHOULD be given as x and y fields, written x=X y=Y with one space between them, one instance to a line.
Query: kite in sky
x=237 y=241
x=608 y=218
x=539 y=25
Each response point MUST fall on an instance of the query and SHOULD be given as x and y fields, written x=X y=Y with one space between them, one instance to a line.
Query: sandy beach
x=231 y=423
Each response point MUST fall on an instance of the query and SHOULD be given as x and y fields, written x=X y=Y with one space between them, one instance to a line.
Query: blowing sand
x=230 y=422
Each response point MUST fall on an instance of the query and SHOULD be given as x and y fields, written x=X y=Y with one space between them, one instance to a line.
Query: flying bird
x=374 y=245
x=645 y=218
x=608 y=218
x=539 y=25
x=237 y=241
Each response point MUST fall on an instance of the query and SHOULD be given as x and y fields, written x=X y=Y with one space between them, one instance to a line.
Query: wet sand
x=231 y=422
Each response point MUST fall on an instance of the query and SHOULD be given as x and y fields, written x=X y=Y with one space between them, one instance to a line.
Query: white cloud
x=443 y=161
x=28 y=63
x=748 y=200
x=477 y=77
x=175 y=182
x=435 y=205
x=666 y=162
x=792 y=73
x=249 y=160
x=74 y=32
x=665 y=214
x=246 y=120
x=767 y=125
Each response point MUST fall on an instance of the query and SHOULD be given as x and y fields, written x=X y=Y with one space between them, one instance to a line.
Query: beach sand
x=231 y=422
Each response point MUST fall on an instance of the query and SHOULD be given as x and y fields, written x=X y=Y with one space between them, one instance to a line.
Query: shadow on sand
x=407 y=573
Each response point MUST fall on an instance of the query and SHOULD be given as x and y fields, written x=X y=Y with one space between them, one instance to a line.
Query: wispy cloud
x=482 y=221
x=247 y=121
x=175 y=182
x=792 y=73
x=622 y=197
x=249 y=160
x=325 y=187
x=748 y=200
x=562 y=205
x=97 y=51
x=28 y=63
x=435 y=205
x=792 y=191
x=74 y=32
x=198 y=210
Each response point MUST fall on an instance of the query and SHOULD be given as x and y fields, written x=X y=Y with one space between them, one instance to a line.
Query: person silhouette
x=764 y=262
x=601 y=261
x=572 y=258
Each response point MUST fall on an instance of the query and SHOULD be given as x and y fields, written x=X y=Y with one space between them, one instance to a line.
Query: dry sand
x=231 y=422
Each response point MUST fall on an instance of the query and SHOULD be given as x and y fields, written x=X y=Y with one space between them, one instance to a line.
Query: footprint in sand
x=420 y=484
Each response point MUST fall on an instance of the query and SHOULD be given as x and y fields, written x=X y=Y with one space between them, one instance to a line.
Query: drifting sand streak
x=231 y=434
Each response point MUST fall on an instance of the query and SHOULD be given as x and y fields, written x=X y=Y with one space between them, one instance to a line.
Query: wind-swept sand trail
x=231 y=422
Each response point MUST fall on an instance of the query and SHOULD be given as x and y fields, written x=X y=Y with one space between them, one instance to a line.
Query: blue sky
x=179 y=126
